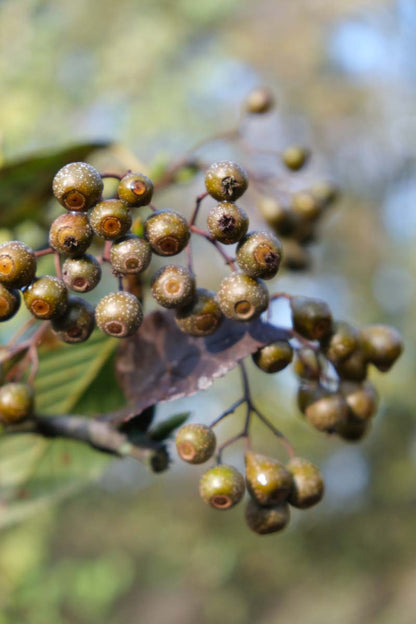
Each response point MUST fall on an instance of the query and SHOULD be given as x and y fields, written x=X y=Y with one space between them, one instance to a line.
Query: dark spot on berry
x=226 y=223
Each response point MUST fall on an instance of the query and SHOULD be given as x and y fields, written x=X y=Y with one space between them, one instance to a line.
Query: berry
x=130 y=255
x=70 y=234
x=110 y=219
x=81 y=274
x=307 y=365
x=295 y=157
x=326 y=413
x=311 y=317
x=354 y=367
x=309 y=392
x=341 y=342
x=119 y=314
x=222 y=487
x=9 y=302
x=227 y=223
x=259 y=255
x=202 y=317
x=195 y=443
x=308 y=486
x=226 y=181
x=281 y=219
x=306 y=205
x=173 y=286
x=259 y=101
x=353 y=430
x=268 y=482
x=16 y=402
x=242 y=297
x=135 y=189
x=17 y=264
x=382 y=345
x=77 y=186
x=274 y=357
x=296 y=257
x=46 y=298
x=77 y=322
x=361 y=398
x=265 y=520
x=167 y=232
x=325 y=193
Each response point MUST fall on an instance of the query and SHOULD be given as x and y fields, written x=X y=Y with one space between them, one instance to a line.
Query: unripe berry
x=195 y=443
x=77 y=322
x=268 y=482
x=274 y=357
x=295 y=157
x=222 y=487
x=259 y=255
x=70 y=234
x=361 y=398
x=354 y=367
x=9 y=302
x=130 y=255
x=353 y=430
x=173 y=286
x=308 y=486
x=296 y=257
x=202 y=317
x=242 y=298
x=307 y=365
x=280 y=218
x=341 y=342
x=119 y=314
x=227 y=223
x=77 y=186
x=259 y=101
x=46 y=298
x=110 y=219
x=382 y=345
x=81 y=274
x=306 y=205
x=325 y=193
x=309 y=392
x=266 y=520
x=16 y=402
x=328 y=412
x=311 y=317
x=135 y=189
x=226 y=181
x=167 y=232
x=17 y=264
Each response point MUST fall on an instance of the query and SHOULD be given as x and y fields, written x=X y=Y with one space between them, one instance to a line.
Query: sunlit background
x=156 y=77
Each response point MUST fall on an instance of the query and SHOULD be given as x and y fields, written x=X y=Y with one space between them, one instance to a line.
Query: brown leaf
x=160 y=363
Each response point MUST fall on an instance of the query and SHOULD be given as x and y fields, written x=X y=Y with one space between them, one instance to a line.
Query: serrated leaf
x=164 y=429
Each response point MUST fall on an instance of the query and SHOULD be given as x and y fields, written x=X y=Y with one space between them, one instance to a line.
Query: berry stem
x=285 y=442
x=228 y=260
x=44 y=252
x=198 y=202
x=57 y=261
x=116 y=176
x=227 y=412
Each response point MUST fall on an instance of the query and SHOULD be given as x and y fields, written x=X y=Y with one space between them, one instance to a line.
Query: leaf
x=165 y=428
x=26 y=185
x=160 y=363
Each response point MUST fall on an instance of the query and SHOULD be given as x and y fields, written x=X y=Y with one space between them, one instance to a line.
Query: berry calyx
x=119 y=314
x=17 y=264
x=46 y=298
x=311 y=317
x=77 y=322
x=202 y=317
x=70 y=234
x=130 y=255
x=16 y=402
x=110 y=219
x=242 y=298
x=308 y=486
x=173 y=286
x=195 y=443
x=81 y=274
x=227 y=223
x=77 y=186
x=274 y=357
x=9 y=302
x=266 y=520
x=259 y=255
x=135 y=189
x=222 y=487
x=167 y=232
x=268 y=482
x=226 y=181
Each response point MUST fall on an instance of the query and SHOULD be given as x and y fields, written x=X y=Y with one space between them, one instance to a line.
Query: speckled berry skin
x=16 y=402
x=135 y=189
x=227 y=223
x=266 y=520
x=167 y=232
x=327 y=413
x=295 y=157
x=77 y=186
x=202 y=317
x=70 y=234
x=267 y=480
x=195 y=443
x=9 y=303
x=110 y=219
x=226 y=181
x=119 y=314
x=274 y=357
x=382 y=345
x=311 y=317
x=130 y=255
x=222 y=487
x=173 y=286
x=259 y=101
x=81 y=274
x=242 y=298
x=17 y=264
x=308 y=486
x=77 y=322
x=46 y=298
x=259 y=254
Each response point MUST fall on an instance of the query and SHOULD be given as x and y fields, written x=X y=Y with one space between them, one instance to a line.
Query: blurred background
x=156 y=77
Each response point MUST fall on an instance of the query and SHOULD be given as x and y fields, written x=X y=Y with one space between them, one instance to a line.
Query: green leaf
x=165 y=428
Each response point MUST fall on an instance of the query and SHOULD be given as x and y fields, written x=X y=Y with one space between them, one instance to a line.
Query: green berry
x=119 y=314
x=77 y=322
x=222 y=487
x=167 y=232
x=173 y=286
x=341 y=342
x=227 y=223
x=70 y=234
x=17 y=264
x=242 y=298
x=259 y=101
x=110 y=219
x=226 y=181
x=361 y=398
x=266 y=520
x=354 y=367
x=311 y=317
x=46 y=298
x=327 y=412
x=306 y=205
x=309 y=392
x=308 y=486
x=77 y=186
x=382 y=345
x=325 y=193
x=135 y=189
x=280 y=218
x=16 y=402
x=268 y=482
x=295 y=157
x=259 y=254
x=296 y=257
x=195 y=443
x=81 y=274
x=9 y=302
x=130 y=255
x=307 y=365
x=274 y=357
x=202 y=317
